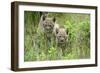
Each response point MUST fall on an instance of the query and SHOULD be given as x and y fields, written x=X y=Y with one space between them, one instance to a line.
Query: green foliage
x=78 y=45
x=52 y=53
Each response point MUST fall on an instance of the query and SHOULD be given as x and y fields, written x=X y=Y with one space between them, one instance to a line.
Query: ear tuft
x=54 y=19
x=57 y=30
x=44 y=17
x=67 y=31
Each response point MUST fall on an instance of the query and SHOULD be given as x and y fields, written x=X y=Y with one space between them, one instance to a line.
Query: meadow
x=78 y=45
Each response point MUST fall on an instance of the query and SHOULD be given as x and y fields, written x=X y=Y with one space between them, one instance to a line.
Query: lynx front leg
x=59 y=53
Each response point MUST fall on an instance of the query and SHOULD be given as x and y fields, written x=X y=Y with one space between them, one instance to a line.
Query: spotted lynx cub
x=61 y=35
x=47 y=24
x=44 y=35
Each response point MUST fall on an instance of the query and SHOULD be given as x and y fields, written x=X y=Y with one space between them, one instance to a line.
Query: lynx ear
x=57 y=30
x=54 y=19
x=44 y=17
x=67 y=31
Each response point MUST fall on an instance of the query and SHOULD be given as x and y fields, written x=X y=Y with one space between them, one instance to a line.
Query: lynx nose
x=62 y=40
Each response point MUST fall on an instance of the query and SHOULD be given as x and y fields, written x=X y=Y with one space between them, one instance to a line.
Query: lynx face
x=48 y=24
x=61 y=36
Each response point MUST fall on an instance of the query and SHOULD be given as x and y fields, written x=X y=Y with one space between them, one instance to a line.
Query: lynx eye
x=50 y=25
x=46 y=25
